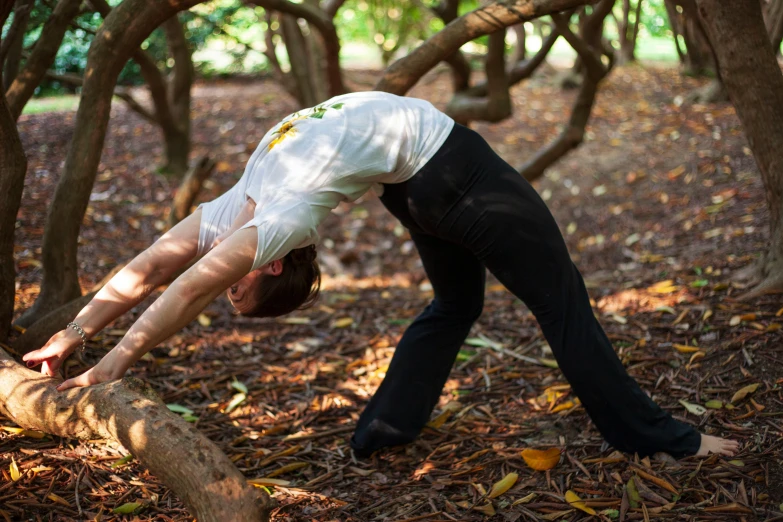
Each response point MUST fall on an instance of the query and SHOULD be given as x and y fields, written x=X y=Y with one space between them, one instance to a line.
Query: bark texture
x=754 y=82
x=42 y=56
x=130 y=412
x=13 y=167
x=121 y=34
x=403 y=74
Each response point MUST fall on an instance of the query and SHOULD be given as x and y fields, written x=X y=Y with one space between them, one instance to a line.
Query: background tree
x=628 y=24
x=13 y=166
x=754 y=82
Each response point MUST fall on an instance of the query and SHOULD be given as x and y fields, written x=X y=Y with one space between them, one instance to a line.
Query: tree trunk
x=298 y=58
x=520 y=51
x=121 y=34
x=179 y=98
x=754 y=82
x=628 y=32
x=11 y=49
x=697 y=57
x=321 y=20
x=42 y=55
x=405 y=72
x=130 y=412
x=317 y=60
x=13 y=166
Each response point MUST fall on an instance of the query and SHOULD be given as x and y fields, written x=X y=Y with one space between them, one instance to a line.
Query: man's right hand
x=54 y=352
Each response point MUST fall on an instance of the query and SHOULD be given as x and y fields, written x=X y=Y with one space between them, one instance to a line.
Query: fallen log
x=130 y=412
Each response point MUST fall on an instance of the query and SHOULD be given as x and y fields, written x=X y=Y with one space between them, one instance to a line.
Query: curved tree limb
x=524 y=69
x=11 y=46
x=448 y=10
x=573 y=134
x=42 y=56
x=497 y=104
x=400 y=76
x=120 y=92
x=130 y=412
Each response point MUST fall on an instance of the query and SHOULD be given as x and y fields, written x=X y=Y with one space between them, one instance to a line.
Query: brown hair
x=295 y=288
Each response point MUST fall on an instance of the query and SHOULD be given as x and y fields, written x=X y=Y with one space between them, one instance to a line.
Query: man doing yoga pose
x=467 y=211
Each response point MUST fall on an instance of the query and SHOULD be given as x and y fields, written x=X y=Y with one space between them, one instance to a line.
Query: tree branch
x=405 y=72
x=42 y=56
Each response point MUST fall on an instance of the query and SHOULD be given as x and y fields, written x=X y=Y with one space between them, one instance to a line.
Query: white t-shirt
x=316 y=158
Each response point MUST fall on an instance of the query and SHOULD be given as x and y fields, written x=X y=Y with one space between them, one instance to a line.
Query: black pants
x=467 y=209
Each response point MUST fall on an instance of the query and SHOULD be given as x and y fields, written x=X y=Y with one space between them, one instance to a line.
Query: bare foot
x=710 y=444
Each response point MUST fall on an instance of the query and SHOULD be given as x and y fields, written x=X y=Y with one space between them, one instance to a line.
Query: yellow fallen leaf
x=567 y=405
x=574 y=501
x=663 y=287
x=714 y=404
x=342 y=323
x=744 y=392
x=288 y=468
x=261 y=482
x=684 y=348
x=550 y=363
x=697 y=355
x=204 y=320
x=14 y=470
x=541 y=460
x=39 y=469
x=58 y=499
x=438 y=421
x=696 y=409
x=524 y=500
x=503 y=485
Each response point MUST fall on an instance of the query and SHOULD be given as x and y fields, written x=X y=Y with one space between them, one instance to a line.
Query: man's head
x=279 y=287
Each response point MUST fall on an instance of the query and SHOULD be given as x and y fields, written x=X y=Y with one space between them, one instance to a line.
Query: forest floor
x=659 y=206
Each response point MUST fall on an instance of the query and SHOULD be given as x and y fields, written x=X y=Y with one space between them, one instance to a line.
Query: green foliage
x=228 y=36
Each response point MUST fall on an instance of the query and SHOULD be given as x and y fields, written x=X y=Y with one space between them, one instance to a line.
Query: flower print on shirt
x=288 y=126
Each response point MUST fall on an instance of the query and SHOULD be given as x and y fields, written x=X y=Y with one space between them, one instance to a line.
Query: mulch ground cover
x=660 y=206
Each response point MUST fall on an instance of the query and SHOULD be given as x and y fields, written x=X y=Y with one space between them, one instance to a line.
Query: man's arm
x=177 y=306
x=125 y=290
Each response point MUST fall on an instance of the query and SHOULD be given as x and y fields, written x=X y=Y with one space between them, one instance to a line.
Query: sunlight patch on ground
x=650 y=299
